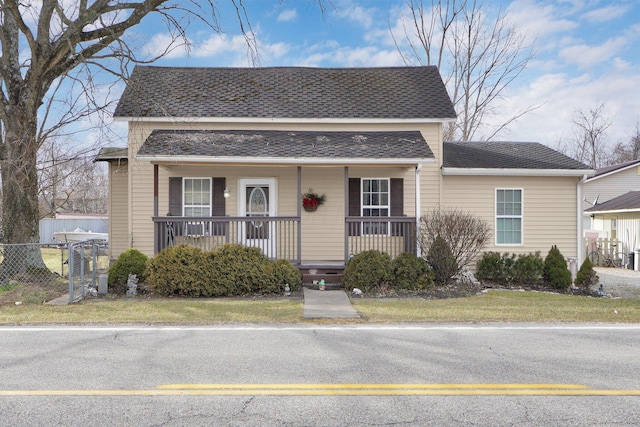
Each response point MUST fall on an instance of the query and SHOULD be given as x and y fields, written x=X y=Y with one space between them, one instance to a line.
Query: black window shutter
x=354 y=205
x=397 y=204
x=218 y=197
x=175 y=196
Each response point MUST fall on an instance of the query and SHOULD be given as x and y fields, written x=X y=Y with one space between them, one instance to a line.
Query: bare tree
x=589 y=144
x=478 y=55
x=465 y=234
x=69 y=180
x=48 y=41
x=629 y=150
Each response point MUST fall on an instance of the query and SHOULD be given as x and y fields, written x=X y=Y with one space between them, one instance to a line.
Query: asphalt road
x=499 y=375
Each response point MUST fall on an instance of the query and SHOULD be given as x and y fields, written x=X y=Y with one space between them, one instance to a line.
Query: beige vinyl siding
x=549 y=209
x=118 y=209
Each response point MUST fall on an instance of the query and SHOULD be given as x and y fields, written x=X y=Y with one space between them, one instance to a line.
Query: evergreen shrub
x=442 y=261
x=180 y=270
x=556 y=273
x=411 y=272
x=586 y=277
x=131 y=261
x=284 y=272
x=367 y=270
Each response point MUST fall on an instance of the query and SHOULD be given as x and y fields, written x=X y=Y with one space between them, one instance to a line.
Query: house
x=222 y=155
x=609 y=207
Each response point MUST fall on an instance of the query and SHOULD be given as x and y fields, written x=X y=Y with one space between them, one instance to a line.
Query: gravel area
x=619 y=282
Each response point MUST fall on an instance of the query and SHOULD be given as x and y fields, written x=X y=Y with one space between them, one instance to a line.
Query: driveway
x=619 y=282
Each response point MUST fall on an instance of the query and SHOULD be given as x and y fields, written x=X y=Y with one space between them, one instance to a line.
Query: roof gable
x=507 y=155
x=286 y=92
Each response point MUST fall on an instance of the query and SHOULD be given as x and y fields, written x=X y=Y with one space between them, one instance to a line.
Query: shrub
x=491 y=267
x=507 y=269
x=241 y=270
x=442 y=261
x=556 y=273
x=464 y=233
x=528 y=269
x=411 y=272
x=180 y=270
x=586 y=277
x=367 y=270
x=131 y=261
x=284 y=272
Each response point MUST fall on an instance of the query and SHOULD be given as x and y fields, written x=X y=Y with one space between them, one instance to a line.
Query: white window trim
x=387 y=206
x=184 y=193
x=495 y=216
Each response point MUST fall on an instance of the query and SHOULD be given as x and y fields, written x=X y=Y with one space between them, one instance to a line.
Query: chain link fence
x=54 y=269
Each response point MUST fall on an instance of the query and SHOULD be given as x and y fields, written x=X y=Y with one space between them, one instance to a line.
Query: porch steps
x=332 y=276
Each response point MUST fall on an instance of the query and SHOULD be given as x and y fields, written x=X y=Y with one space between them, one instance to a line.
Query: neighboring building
x=224 y=155
x=608 y=205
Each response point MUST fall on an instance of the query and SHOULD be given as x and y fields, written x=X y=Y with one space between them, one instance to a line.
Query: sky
x=586 y=53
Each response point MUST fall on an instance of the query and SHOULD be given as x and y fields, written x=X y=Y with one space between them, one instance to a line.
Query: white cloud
x=287 y=15
x=369 y=56
x=358 y=14
x=164 y=43
x=538 y=20
x=605 y=14
x=585 y=56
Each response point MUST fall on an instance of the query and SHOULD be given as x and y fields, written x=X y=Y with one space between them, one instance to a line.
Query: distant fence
x=55 y=269
x=48 y=226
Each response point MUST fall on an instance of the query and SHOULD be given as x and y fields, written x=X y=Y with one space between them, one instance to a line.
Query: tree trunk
x=20 y=192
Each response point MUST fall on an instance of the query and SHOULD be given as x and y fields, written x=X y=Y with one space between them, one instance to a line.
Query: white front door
x=258 y=200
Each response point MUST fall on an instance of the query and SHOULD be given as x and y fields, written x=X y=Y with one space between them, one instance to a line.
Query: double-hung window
x=508 y=216
x=376 y=204
x=196 y=194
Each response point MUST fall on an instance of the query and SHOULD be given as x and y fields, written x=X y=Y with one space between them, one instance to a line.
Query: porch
x=280 y=237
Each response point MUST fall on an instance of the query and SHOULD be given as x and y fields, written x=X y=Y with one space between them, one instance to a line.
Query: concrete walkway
x=328 y=305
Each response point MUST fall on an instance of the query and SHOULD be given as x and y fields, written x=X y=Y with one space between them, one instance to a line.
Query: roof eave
x=515 y=172
x=596 y=177
x=346 y=120
x=613 y=211
x=281 y=160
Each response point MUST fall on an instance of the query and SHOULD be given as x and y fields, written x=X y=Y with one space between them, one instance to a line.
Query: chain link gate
x=72 y=266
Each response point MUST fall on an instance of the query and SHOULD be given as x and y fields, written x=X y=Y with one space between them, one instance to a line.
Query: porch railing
x=277 y=237
x=392 y=235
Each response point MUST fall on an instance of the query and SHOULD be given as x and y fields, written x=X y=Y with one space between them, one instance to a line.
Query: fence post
x=70 y=260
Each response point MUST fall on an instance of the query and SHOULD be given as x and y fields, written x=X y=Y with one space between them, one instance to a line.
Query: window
x=375 y=203
x=508 y=217
x=197 y=197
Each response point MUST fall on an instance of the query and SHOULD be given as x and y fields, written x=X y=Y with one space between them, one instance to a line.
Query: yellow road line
x=341 y=390
x=367 y=386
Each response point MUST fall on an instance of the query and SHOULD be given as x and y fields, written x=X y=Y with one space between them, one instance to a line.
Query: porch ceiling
x=379 y=147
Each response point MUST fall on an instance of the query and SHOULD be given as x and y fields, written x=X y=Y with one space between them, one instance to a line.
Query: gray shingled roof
x=613 y=168
x=628 y=201
x=286 y=92
x=283 y=144
x=506 y=155
x=107 y=154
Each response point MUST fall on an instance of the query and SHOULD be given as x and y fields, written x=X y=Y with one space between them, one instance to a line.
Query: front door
x=258 y=200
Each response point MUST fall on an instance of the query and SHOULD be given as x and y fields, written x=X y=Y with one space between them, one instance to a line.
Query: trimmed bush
x=241 y=270
x=411 y=272
x=491 y=267
x=284 y=272
x=131 y=261
x=556 y=273
x=180 y=270
x=367 y=270
x=586 y=277
x=528 y=269
x=442 y=261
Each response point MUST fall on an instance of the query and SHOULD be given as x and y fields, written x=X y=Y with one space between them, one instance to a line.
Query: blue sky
x=587 y=52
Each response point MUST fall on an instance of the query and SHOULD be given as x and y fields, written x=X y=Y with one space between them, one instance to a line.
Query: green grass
x=503 y=306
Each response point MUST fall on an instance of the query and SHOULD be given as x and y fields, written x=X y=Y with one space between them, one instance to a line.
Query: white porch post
x=418 y=208
x=580 y=239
